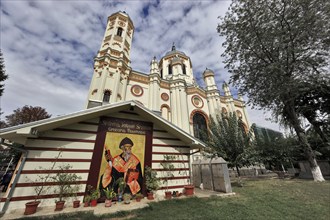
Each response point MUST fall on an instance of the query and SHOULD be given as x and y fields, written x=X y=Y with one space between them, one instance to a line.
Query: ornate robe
x=130 y=170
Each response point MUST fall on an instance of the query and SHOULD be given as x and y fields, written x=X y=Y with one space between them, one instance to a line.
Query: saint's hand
x=107 y=155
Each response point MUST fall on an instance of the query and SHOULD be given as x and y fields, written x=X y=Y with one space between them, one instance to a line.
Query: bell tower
x=212 y=92
x=112 y=62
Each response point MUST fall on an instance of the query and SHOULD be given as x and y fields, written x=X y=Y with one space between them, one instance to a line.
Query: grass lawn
x=258 y=199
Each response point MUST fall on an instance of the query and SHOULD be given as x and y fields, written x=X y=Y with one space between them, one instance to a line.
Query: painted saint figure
x=125 y=165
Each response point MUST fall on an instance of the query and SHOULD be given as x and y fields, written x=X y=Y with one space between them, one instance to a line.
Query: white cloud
x=49 y=46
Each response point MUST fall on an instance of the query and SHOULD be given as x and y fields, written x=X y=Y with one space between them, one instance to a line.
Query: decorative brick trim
x=137 y=93
x=197 y=105
x=200 y=112
x=165 y=106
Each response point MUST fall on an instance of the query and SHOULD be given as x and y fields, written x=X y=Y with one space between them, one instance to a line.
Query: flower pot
x=108 y=203
x=31 y=207
x=138 y=199
x=76 y=204
x=189 y=190
x=168 y=195
x=59 y=205
x=94 y=202
x=86 y=204
x=127 y=201
x=150 y=196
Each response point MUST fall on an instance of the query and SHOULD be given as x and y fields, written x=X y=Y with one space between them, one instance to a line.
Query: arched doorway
x=200 y=126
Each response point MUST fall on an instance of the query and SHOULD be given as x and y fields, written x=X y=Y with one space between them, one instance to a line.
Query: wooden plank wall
x=165 y=144
x=71 y=144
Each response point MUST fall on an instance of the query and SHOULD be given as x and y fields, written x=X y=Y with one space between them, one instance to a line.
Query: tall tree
x=313 y=103
x=26 y=114
x=229 y=139
x=3 y=75
x=273 y=152
x=272 y=46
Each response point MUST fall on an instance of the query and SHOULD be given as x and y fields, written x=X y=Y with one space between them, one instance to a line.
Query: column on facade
x=178 y=104
x=124 y=88
x=184 y=110
x=154 y=96
x=210 y=102
x=229 y=97
x=154 y=92
x=173 y=105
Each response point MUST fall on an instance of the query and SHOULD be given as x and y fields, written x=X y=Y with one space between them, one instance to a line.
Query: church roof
x=174 y=51
x=20 y=133
x=208 y=72
x=123 y=14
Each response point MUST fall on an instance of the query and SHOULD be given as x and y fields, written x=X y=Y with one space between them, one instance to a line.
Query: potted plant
x=152 y=182
x=121 y=187
x=189 y=190
x=94 y=197
x=168 y=168
x=66 y=185
x=127 y=198
x=76 y=203
x=138 y=197
x=109 y=195
x=87 y=200
x=40 y=188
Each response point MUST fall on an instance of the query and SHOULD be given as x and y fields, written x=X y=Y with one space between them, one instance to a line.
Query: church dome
x=174 y=51
x=207 y=72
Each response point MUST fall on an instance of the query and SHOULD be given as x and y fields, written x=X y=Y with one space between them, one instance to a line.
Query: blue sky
x=48 y=46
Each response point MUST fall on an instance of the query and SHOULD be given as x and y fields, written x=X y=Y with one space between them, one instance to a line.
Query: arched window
x=161 y=73
x=244 y=127
x=165 y=110
x=119 y=31
x=184 y=69
x=106 y=96
x=200 y=127
x=169 y=70
x=224 y=111
x=238 y=114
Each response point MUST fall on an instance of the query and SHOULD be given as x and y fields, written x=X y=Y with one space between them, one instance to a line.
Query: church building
x=169 y=89
x=132 y=120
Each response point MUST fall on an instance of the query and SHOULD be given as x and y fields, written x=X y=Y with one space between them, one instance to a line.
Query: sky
x=48 y=47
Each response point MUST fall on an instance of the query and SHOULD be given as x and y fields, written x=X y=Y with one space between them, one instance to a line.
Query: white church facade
x=169 y=88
